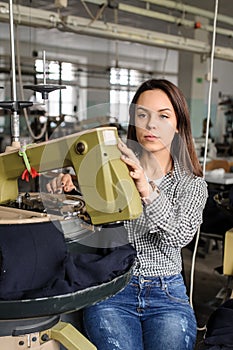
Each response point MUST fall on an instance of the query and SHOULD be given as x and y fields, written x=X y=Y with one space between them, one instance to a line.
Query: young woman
x=153 y=312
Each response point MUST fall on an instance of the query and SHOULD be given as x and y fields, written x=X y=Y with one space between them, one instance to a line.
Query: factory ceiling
x=163 y=23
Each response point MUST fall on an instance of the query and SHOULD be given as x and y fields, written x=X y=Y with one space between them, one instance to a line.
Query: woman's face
x=155 y=121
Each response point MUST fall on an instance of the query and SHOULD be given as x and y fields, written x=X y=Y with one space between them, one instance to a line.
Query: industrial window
x=123 y=85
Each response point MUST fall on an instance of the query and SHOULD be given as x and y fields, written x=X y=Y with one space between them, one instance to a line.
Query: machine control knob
x=81 y=147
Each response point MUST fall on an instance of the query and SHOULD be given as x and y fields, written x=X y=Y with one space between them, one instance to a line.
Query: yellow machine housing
x=109 y=192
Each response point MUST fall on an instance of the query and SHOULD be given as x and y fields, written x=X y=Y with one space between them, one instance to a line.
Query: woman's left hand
x=60 y=183
x=135 y=169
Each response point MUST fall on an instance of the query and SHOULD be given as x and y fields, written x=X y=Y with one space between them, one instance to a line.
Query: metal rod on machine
x=14 y=115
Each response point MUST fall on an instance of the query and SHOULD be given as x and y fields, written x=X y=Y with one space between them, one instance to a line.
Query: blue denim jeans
x=150 y=313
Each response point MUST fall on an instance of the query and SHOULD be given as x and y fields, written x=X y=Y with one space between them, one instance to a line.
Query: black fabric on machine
x=35 y=262
x=31 y=254
x=219 y=333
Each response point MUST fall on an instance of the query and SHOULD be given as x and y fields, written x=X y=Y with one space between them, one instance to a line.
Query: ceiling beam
x=119 y=32
x=166 y=17
x=47 y=19
x=183 y=8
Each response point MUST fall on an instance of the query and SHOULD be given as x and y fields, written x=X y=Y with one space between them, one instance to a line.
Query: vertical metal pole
x=14 y=115
x=60 y=94
x=44 y=93
x=44 y=68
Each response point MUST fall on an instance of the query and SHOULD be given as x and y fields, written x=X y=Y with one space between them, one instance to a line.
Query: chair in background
x=217 y=164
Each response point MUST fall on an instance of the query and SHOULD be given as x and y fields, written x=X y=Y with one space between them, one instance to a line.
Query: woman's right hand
x=135 y=169
x=62 y=182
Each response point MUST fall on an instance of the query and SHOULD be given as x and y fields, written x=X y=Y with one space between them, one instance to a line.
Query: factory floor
x=209 y=284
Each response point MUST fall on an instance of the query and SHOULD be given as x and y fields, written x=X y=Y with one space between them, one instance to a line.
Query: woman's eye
x=142 y=115
x=163 y=116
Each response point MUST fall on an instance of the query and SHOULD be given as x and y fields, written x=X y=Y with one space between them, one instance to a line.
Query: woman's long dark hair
x=182 y=147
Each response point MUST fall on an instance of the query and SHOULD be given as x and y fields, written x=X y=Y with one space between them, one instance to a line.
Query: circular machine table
x=20 y=318
x=59 y=304
x=24 y=319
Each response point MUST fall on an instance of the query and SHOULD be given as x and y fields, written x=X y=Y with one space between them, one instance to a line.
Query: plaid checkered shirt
x=168 y=224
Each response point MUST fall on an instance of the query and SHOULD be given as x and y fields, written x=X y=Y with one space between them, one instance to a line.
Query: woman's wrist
x=146 y=191
x=153 y=194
